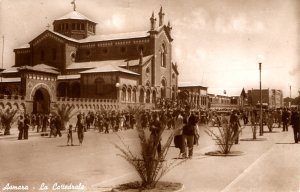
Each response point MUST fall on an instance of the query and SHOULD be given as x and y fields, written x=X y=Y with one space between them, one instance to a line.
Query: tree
x=150 y=165
x=65 y=113
x=296 y=101
x=8 y=117
x=225 y=138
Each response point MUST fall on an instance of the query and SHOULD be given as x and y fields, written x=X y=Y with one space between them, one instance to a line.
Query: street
x=43 y=163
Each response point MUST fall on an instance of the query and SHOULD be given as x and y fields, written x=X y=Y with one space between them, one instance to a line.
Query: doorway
x=41 y=101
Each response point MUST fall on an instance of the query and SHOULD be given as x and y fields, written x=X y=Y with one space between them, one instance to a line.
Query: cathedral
x=74 y=63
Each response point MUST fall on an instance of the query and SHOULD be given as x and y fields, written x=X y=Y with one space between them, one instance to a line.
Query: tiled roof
x=95 y=38
x=74 y=15
x=68 y=77
x=44 y=66
x=108 y=69
x=108 y=37
x=117 y=36
x=118 y=63
x=10 y=80
x=24 y=46
x=63 y=36
x=40 y=68
x=11 y=70
x=190 y=84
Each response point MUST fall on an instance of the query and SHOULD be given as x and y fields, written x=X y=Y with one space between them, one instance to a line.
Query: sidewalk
x=269 y=165
x=14 y=132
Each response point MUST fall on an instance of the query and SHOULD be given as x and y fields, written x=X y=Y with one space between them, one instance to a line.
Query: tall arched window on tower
x=163 y=88
x=99 y=83
x=163 y=55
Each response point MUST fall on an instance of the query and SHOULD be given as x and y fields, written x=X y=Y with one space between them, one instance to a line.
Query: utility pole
x=2 y=51
x=261 y=131
x=2 y=55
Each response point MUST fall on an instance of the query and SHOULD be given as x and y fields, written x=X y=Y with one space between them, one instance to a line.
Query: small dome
x=74 y=15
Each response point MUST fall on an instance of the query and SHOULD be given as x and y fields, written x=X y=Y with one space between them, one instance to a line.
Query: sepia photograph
x=150 y=95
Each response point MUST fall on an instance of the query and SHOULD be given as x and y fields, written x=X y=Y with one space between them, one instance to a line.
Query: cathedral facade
x=73 y=63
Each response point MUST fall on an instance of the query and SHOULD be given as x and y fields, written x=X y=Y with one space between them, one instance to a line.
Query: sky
x=217 y=43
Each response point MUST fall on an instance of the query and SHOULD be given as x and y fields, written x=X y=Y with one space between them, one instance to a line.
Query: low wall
x=81 y=104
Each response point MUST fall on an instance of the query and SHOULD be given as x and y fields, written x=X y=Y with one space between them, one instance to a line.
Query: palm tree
x=8 y=117
x=226 y=136
x=150 y=165
x=65 y=113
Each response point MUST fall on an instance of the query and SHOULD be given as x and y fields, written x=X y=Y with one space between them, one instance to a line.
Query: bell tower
x=75 y=25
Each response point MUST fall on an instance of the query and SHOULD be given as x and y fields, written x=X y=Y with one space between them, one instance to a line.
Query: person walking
x=58 y=124
x=52 y=127
x=155 y=129
x=178 y=141
x=235 y=124
x=285 y=119
x=44 y=122
x=80 y=129
x=26 y=126
x=295 y=122
x=270 y=120
x=188 y=136
x=70 y=135
x=20 y=127
x=38 y=123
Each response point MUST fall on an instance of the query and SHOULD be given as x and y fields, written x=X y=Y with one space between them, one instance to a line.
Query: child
x=70 y=137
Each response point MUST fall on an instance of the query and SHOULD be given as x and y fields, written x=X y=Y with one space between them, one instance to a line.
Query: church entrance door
x=41 y=101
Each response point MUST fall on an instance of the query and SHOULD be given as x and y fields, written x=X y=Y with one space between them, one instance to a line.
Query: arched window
x=129 y=95
x=163 y=56
x=99 y=83
x=123 y=96
x=141 y=99
x=147 y=71
x=163 y=88
x=148 y=93
x=148 y=84
x=153 y=97
x=173 y=93
x=134 y=95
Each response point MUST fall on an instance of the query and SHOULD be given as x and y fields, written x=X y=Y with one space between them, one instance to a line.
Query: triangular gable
x=164 y=28
x=108 y=69
x=47 y=33
x=243 y=93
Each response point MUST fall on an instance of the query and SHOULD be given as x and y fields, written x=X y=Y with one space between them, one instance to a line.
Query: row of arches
x=91 y=106
x=132 y=95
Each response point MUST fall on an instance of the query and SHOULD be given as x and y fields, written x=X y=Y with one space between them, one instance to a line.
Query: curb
x=178 y=190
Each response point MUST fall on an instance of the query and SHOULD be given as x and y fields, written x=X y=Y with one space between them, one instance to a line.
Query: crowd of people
x=186 y=121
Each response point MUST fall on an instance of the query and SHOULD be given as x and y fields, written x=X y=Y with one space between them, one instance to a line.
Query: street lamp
x=261 y=131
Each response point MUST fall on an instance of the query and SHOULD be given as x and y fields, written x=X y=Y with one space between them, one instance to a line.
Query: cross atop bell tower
x=74 y=5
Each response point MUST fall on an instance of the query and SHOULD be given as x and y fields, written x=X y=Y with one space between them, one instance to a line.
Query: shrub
x=8 y=117
x=150 y=165
x=225 y=138
x=64 y=112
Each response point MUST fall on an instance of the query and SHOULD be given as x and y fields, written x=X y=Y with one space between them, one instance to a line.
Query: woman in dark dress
x=26 y=126
x=21 y=127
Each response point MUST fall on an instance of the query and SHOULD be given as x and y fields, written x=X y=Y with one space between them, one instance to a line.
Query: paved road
x=270 y=165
